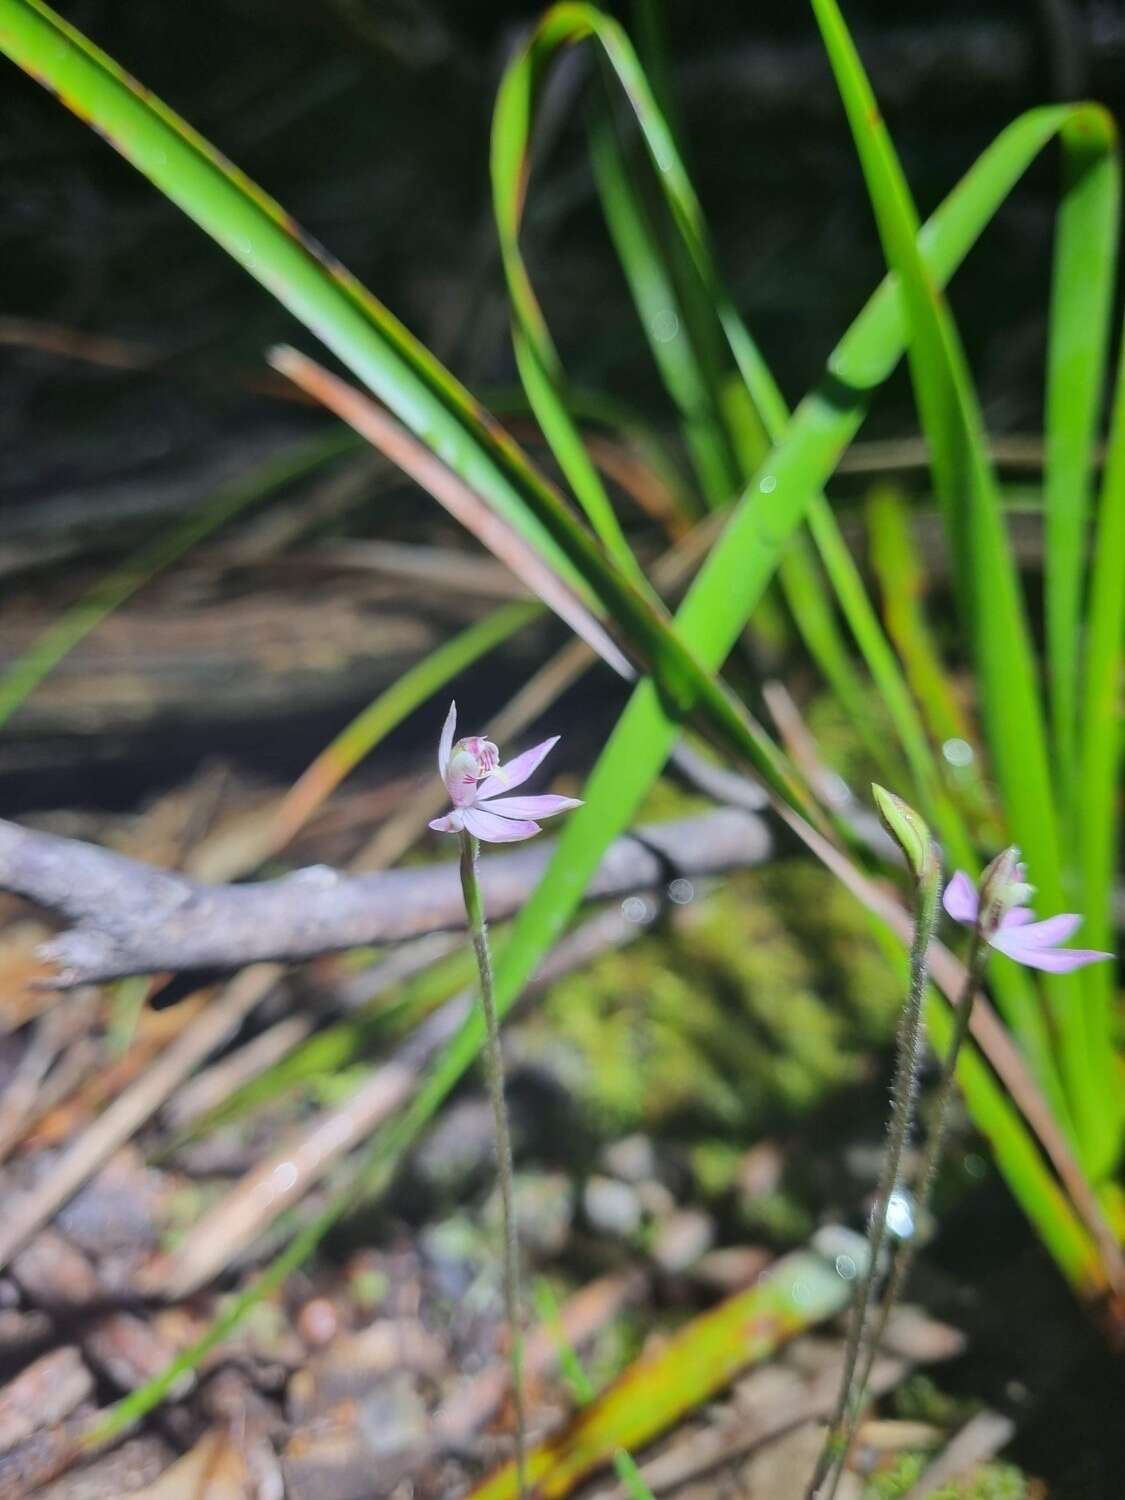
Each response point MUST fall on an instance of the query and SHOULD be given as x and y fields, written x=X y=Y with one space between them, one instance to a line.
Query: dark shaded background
x=370 y=123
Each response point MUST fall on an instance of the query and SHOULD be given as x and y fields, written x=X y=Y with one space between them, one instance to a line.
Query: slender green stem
x=905 y=1250
x=494 y=1068
x=904 y=1098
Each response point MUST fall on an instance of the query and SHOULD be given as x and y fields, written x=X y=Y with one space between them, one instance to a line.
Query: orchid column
x=475 y=778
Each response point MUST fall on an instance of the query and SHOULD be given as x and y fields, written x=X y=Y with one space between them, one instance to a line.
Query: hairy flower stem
x=906 y=1248
x=494 y=1068
x=904 y=1098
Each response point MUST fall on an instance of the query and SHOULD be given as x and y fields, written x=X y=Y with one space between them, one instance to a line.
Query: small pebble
x=633 y=1159
x=733 y=1267
x=760 y=1170
x=681 y=1239
x=612 y=1207
x=656 y=1200
x=318 y=1322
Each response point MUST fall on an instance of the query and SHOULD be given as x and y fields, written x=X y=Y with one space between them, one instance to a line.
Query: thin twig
x=211 y=1028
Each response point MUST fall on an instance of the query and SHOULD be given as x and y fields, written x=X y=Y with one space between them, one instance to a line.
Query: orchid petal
x=1055 y=960
x=496 y=830
x=1019 y=916
x=531 y=807
x=452 y=823
x=445 y=744
x=960 y=898
x=1048 y=934
x=515 y=773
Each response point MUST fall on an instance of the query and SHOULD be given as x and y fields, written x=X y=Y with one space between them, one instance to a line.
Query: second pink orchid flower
x=1034 y=944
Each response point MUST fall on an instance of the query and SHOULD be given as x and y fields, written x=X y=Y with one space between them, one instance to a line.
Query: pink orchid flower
x=1034 y=944
x=474 y=778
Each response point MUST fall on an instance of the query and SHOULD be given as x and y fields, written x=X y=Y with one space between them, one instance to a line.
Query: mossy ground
x=745 y=1008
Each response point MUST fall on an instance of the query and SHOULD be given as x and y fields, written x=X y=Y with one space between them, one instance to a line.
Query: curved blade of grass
x=540 y=368
x=632 y=427
x=985 y=570
x=1077 y=349
x=723 y=435
x=123 y=581
x=901 y=575
x=420 y=682
x=722 y=457
x=660 y=313
x=691 y=377
x=1099 y=798
x=258 y=234
x=566 y=25
x=796 y=571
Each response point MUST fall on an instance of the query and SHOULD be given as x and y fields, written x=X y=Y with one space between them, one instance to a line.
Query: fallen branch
x=131 y=918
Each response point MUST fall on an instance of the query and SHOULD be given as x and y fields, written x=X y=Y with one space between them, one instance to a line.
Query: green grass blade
x=1078 y=344
x=985 y=569
x=537 y=359
x=963 y=475
x=661 y=315
x=692 y=381
x=1099 y=804
x=123 y=581
x=902 y=577
x=810 y=604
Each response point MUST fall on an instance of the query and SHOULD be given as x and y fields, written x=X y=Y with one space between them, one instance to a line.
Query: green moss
x=986 y=1482
x=751 y=1004
x=781 y=1216
x=921 y=1399
x=715 y=1165
x=898 y=1480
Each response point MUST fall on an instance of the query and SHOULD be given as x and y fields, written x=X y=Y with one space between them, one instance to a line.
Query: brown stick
x=130 y=918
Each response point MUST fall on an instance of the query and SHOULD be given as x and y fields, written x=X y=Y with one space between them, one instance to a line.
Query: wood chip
x=41 y=1395
x=215 y=1469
